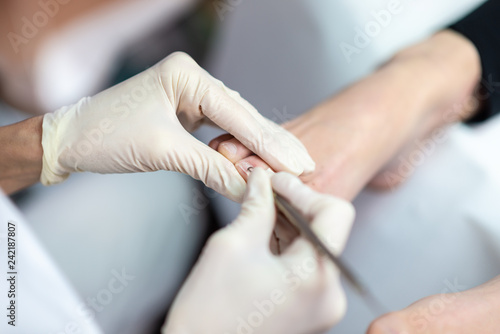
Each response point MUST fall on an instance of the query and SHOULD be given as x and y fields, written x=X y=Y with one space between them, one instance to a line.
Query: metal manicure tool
x=298 y=221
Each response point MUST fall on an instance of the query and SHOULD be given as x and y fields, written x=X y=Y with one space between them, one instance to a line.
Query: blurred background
x=437 y=233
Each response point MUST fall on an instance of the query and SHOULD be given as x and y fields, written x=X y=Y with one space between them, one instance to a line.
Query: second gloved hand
x=143 y=125
x=239 y=286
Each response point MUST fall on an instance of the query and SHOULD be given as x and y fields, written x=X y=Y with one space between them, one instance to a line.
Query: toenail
x=230 y=148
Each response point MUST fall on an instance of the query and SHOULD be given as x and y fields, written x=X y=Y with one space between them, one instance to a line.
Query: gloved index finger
x=279 y=148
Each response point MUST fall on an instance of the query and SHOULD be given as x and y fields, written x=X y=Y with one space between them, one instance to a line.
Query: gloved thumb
x=258 y=215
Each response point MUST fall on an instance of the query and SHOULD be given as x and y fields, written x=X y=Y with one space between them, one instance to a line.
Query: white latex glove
x=143 y=125
x=239 y=286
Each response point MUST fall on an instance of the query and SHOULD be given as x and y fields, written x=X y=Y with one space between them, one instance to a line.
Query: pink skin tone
x=470 y=311
x=17 y=59
x=356 y=137
x=378 y=118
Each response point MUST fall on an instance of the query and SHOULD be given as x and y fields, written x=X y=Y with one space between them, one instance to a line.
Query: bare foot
x=467 y=312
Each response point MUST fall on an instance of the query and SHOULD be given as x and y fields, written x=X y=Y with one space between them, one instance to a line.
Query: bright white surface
x=442 y=226
x=93 y=225
x=46 y=302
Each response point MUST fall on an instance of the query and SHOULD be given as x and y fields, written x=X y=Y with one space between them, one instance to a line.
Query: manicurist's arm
x=20 y=154
x=142 y=125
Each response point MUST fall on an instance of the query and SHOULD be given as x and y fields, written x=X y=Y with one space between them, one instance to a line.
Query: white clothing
x=44 y=300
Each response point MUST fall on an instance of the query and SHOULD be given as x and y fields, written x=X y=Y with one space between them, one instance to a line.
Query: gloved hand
x=143 y=125
x=238 y=286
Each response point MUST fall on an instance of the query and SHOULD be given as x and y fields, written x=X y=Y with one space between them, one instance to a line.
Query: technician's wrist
x=32 y=135
x=22 y=153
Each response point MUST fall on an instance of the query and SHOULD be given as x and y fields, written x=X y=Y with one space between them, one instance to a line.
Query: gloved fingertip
x=259 y=190
x=309 y=165
x=283 y=181
x=237 y=196
x=304 y=161
x=235 y=190
x=298 y=162
x=270 y=172
x=258 y=182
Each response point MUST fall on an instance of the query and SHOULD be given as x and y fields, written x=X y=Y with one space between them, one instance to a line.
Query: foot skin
x=470 y=311
x=237 y=153
x=357 y=132
x=243 y=158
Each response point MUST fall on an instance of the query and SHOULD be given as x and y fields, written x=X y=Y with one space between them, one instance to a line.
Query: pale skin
x=355 y=137
x=366 y=121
